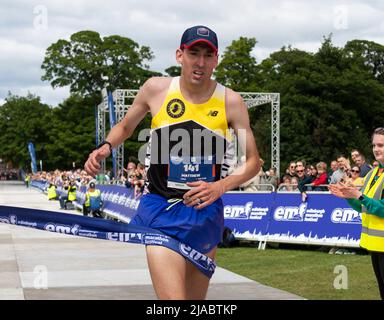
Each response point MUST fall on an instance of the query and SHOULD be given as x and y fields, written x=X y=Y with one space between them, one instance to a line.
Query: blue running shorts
x=201 y=229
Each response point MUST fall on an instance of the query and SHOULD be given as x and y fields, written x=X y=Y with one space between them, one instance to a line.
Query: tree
x=23 y=119
x=238 y=68
x=88 y=63
x=173 y=71
x=72 y=132
x=327 y=100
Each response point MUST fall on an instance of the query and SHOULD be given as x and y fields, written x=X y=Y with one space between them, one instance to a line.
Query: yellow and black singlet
x=188 y=142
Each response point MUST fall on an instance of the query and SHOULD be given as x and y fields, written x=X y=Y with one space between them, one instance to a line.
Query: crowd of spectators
x=9 y=175
x=301 y=177
x=297 y=177
x=133 y=176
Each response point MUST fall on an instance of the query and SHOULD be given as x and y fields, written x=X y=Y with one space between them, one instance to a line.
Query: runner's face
x=198 y=62
x=378 y=147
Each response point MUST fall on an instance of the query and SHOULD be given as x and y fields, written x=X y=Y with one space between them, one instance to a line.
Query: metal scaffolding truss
x=123 y=99
x=253 y=99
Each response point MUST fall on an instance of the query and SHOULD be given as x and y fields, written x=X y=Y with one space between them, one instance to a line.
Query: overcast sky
x=27 y=28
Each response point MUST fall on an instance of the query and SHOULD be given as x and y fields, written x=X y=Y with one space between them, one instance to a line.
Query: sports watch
x=103 y=143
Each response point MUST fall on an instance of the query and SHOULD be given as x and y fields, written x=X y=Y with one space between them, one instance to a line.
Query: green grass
x=302 y=271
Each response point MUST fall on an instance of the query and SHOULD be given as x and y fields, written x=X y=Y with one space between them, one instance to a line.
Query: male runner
x=186 y=178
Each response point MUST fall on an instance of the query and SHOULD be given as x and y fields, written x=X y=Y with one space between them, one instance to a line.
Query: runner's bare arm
x=123 y=130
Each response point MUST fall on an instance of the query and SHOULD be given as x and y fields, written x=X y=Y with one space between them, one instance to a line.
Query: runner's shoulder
x=232 y=97
x=156 y=85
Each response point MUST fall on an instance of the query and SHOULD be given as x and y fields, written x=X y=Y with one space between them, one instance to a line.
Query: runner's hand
x=92 y=166
x=203 y=193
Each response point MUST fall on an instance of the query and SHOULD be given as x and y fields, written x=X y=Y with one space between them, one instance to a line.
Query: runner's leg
x=168 y=270
x=196 y=283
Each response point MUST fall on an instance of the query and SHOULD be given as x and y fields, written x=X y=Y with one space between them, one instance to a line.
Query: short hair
x=378 y=131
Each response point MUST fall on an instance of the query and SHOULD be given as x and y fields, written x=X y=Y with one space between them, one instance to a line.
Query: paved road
x=80 y=268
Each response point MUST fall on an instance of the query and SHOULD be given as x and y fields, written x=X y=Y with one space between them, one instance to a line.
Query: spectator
x=302 y=178
x=364 y=167
x=69 y=195
x=370 y=202
x=354 y=154
x=340 y=174
x=295 y=184
x=92 y=204
x=321 y=178
x=52 y=194
x=269 y=178
x=355 y=179
x=286 y=183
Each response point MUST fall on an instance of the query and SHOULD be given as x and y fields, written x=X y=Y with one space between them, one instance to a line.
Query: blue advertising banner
x=276 y=217
x=118 y=201
x=322 y=220
x=247 y=214
x=32 y=154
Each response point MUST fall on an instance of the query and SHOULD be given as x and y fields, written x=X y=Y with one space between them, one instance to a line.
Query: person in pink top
x=321 y=178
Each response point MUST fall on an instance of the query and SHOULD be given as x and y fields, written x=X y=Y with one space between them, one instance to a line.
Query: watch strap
x=104 y=143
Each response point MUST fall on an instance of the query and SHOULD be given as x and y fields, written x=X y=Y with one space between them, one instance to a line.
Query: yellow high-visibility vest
x=96 y=193
x=72 y=193
x=372 y=232
x=52 y=192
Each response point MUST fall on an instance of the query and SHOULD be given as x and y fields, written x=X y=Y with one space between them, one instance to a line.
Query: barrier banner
x=247 y=214
x=118 y=201
x=277 y=217
x=102 y=229
x=322 y=220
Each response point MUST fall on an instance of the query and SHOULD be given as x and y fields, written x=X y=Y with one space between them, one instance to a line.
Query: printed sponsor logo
x=199 y=258
x=345 y=215
x=213 y=113
x=246 y=211
x=66 y=229
x=298 y=214
x=125 y=237
x=175 y=108
x=12 y=219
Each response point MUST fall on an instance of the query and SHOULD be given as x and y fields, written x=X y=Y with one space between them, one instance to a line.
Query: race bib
x=181 y=171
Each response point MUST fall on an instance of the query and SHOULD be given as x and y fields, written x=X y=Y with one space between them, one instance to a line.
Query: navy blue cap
x=198 y=34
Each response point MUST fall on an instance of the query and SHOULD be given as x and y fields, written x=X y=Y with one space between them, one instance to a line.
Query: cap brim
x=191 y=44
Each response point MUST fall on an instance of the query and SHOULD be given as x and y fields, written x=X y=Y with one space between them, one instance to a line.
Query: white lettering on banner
x=124 y=237
x=115 y=198
x=245 y=212
x=66 y=229
x=12 y=219
x=298 y=214
x=198 y=257
x=121 y=200
x=346 y=215
x=28 y=224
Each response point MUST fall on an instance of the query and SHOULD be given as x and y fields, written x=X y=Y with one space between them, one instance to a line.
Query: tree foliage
x=23 y=119
x=88 y=63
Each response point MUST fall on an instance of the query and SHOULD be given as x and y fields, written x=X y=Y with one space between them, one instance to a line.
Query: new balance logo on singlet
x=213 y=113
